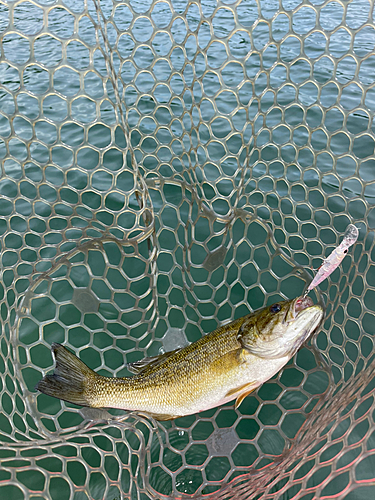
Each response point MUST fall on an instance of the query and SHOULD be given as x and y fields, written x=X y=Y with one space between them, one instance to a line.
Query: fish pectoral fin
x=241 y=392
x=138 y=366
x=159 y=416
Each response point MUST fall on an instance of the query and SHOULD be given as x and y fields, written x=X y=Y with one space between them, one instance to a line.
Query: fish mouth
x=296 y=307
x=303 y=310
x=302 y=303
x=305 y=316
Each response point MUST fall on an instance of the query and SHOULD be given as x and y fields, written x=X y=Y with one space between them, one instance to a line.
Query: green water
x=111 y=298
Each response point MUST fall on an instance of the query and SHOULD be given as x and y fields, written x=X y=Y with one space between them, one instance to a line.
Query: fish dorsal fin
x=138 y=366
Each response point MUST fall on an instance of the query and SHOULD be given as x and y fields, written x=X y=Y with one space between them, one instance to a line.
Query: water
x=80 y=167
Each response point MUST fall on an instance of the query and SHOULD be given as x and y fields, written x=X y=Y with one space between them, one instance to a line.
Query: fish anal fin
x=241 y=397
x=138 y=366
x=159 y=416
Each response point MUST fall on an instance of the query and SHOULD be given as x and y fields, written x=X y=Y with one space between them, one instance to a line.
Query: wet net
x=167 y=166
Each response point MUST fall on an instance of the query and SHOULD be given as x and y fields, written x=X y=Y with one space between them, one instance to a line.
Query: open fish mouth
x=296 y=307
x=304 y=318
x=305 y=313
x=301 y=304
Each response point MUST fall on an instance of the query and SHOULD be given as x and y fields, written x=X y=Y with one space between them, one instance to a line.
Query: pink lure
x=335 y=258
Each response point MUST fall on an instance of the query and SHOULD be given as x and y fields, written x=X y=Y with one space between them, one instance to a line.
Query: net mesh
x=168 y=166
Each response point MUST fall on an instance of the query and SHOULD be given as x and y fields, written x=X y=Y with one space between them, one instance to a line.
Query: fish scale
x=228 y=363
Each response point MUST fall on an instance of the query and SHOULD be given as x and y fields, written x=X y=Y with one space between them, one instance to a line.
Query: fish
x=226 y=364
x=334 y=259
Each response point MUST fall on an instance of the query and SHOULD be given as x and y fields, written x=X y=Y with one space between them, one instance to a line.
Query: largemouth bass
x=226 y=364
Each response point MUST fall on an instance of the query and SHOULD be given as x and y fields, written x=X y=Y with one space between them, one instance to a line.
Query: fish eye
x=346 y=250
x=275 y=308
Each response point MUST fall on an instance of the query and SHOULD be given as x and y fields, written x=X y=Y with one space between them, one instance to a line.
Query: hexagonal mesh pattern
x=168 y=166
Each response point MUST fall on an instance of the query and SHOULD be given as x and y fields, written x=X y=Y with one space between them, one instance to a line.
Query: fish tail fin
x=70 y=379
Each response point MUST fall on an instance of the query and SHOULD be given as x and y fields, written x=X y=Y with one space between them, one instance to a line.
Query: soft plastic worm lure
x=334 y=259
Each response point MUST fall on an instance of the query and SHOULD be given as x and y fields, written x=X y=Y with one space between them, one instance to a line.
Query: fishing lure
x=334 y=259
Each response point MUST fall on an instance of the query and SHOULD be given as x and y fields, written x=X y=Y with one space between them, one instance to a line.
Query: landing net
x=168 y=166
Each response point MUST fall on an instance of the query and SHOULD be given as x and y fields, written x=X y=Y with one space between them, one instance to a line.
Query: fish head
x=280 y=329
